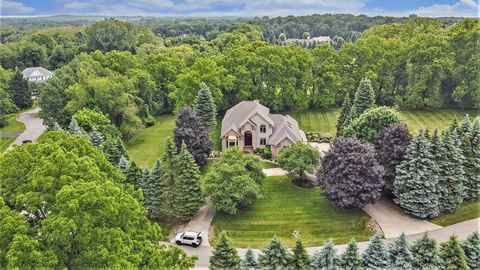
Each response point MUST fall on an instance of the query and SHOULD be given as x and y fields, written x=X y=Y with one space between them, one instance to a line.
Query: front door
x=248 y=138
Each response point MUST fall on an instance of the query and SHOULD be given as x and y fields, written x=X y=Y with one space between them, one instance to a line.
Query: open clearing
x=147 y=146
x=286 y=208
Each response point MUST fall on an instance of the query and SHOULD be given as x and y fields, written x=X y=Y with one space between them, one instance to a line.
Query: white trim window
x=263 y=129
x=263 y=141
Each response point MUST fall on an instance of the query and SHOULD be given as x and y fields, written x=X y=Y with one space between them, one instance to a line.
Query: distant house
x=37 y=74
x=309 y=42
x=250 y=125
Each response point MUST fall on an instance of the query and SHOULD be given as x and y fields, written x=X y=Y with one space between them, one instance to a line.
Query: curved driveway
x=34 y=127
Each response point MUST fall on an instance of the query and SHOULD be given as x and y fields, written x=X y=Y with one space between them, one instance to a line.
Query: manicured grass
x=12 y=125
x=5 y=142
x=466 y=212
x=324 y=121
x=286 y=208
x=147 y=146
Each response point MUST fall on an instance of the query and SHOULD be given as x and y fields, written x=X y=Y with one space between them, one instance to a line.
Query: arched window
x=263 y=129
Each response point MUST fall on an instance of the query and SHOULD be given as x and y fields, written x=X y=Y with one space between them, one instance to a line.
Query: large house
x=250 y=125
x=37 y=74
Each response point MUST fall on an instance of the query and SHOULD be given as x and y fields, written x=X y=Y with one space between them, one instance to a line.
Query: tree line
x=422 y=254
x=418 y=63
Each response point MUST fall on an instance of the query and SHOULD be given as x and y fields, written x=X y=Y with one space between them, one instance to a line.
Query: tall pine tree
x=364 y=99
x=188 y=195
x=144 y=185
x=167 y=179
x=451 y=178
x=425 y=254
x=275 y=256
x=134 y=175
x=96 y=137
x=123 y=165
x=249 y=263
x=205 y=107
x=376 y=254
x=75 y=129
x=471 y=247
x=154 y=189
x=301 y=259
x=344 y=118
x=471 y=150
x=350 y=259
x=326 y=257
x=416 y=180
x=452 y=255
x=20 y=91
x=465 y=127
x=224 y=256
x=400 y=256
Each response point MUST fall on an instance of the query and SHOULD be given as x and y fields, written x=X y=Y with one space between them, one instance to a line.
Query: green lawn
x=324 y=121
x=147 y=146
x=286 y=208
x=466 y=212
x=5 y=142
x=12 y=125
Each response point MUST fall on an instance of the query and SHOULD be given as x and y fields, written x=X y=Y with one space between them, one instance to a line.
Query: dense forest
x=134 y=71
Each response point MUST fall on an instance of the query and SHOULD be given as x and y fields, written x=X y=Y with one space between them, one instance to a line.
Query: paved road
x=462 y=230
x=201 y=223
x=33 y=127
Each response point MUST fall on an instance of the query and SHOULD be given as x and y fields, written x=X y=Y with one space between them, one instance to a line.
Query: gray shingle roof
x=28 y=71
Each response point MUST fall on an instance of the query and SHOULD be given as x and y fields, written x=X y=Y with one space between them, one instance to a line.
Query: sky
x=427 y=8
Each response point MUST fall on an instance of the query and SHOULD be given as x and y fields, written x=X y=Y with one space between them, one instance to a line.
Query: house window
x=232 y=143
x=263 y=141
x=263 y=129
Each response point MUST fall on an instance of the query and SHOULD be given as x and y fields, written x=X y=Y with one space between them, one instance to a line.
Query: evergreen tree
x=20 y=91
x=275 y=256
x=400 y=256
x=425 y=254
x=188 y=195
x=326 y=258
x=154 y=189
x=121 y=147
x=111 y=149
x=167 y=179
x=96 y=137
x=224 y=256
x=301 y=259
x=364 y=99
x=249 y=263
x=471 y=150
x=344 y=118
x=465 y=127
x=451 y=177
x=55 y=127
x=350 y=259
x=75 y=129
x=452 y=255
x=189 y=130
x=375 y=255
x=145 y=189
x=416 y=180
x=123 y=165
x=471 y=247
x=205 y=107
x=454 y=124
x=134 y=175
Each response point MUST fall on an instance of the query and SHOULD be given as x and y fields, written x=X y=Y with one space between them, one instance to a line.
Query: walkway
x=462 y=230
x=34 y=127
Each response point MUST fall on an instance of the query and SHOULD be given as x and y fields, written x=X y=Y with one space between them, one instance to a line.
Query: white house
x=37 y=74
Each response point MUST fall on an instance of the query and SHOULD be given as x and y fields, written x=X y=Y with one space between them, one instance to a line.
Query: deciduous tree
x=367 y=125
x=298 y=158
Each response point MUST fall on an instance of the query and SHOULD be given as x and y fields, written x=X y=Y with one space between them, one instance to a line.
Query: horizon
x=240 y=8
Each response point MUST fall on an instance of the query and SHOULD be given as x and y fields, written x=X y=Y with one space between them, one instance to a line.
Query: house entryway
x=248 y=138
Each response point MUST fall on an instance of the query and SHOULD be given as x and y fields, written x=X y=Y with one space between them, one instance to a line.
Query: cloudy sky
x=431 y=8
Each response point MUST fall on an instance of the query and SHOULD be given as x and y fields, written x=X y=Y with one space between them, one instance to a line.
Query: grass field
x=12 y=125
x=286 y=208
x=466 y=212
x=5 y=142
x=147 y=146
x=324 y=121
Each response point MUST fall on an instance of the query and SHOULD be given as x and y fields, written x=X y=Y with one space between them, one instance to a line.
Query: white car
x=189 y=238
